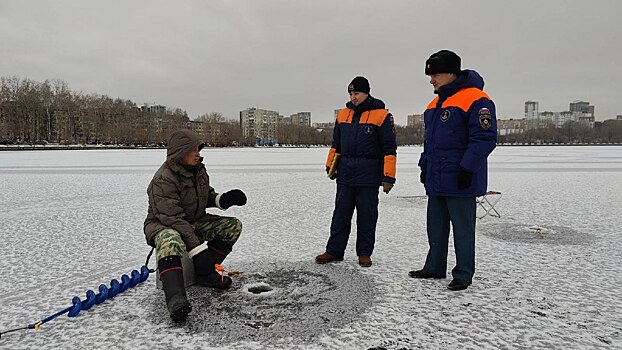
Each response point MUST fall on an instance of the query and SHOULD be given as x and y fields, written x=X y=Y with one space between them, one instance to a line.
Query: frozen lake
x=72 y=220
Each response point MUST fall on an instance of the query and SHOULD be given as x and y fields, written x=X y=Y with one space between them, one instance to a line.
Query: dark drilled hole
x=259 y=289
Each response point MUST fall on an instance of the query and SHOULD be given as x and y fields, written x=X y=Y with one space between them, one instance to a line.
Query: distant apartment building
x=579 y=111
x=328 y=125
x=558 y=119
x=587 y=119
x=619 y=117
x=336 y=112
x=259 y=124
x=583 y=112
x=531 y=110
x=210 y=133
x=511 y=126
x=284 y=120
x=414 y=119
x=301 y=118
x=197 y=126
x=580 y=107
x=153 y=108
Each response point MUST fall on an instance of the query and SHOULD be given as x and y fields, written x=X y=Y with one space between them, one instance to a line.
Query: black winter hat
x=444 y=61
x=359 y=84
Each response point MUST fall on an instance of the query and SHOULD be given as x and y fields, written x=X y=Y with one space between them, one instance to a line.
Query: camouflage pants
x=169 y=243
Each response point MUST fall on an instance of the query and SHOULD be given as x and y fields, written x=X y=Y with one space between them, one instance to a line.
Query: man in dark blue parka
x=364 y=153
x=460 y=133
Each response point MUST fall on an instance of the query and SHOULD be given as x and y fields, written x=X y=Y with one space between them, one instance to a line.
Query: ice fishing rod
x=105 y=292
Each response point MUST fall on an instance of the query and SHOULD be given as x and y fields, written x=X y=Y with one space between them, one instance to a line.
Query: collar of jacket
x=177 y=168
x=369 y=104
x=465 y=79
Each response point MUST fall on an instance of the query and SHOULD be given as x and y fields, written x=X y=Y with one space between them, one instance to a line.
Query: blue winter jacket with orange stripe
x=364 y=135
x=460 y=133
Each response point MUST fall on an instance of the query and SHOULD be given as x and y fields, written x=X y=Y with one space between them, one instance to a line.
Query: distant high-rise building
x=580 y=111
x=336 y=112
x=531 y=110
x=580 y=106
x=414 y=119
x=583 y=112
x=301 y=118
x=259 y=124
x=590 y=110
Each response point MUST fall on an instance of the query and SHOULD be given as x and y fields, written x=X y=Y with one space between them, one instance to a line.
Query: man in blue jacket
x=364 y=150
x=460 y=133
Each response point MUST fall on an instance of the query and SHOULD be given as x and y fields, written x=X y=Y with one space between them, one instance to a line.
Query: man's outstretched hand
x=233 y=197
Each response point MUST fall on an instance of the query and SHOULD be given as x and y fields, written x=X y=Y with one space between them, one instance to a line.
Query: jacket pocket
x=449 y=174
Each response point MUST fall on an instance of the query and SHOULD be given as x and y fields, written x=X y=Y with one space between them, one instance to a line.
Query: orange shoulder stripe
x=375 y=116
x=432 y=104
x=345 y=115
x=464 y=98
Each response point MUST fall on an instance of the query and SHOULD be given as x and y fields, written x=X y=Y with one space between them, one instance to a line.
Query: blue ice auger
x=105 y=292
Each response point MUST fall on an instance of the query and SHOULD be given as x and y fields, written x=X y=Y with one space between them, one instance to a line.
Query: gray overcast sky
x=291 y=56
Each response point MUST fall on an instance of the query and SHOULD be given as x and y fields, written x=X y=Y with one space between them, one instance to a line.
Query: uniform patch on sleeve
x=485 y=120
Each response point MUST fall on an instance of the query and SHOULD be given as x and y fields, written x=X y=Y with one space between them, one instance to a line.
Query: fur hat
x=444 y=61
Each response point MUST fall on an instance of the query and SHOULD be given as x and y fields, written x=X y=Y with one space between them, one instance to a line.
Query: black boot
x=204 y=265
x=172 y=277
x=218 y=250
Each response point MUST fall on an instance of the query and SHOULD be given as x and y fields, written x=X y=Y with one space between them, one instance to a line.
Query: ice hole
x=260 y=288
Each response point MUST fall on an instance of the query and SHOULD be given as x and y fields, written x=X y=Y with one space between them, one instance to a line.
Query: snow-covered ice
x=72 y=220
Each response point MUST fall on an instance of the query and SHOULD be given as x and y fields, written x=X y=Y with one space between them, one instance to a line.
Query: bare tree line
x=34 y=112
x=49 y=112
x=572 y=132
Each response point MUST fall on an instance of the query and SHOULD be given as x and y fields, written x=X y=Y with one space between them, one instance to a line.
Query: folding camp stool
x=487 y=202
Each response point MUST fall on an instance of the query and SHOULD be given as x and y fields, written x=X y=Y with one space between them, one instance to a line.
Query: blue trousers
x=460 y=211
x=365 y=200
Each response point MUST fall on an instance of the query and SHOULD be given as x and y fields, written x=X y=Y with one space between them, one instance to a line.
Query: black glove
x=422 y=177
x=233 y=197
x=327 y=170
x=465 y=179
x=386 y=187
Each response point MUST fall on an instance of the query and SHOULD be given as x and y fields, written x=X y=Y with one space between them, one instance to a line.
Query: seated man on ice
x=179 y=194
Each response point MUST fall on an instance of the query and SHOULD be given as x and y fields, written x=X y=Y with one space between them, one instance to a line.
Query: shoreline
x=111 y=147
x=120 y=147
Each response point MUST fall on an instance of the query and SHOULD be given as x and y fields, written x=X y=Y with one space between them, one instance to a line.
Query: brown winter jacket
x=177 y=197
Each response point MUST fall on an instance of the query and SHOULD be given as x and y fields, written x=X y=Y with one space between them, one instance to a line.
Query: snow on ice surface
x=72 y=220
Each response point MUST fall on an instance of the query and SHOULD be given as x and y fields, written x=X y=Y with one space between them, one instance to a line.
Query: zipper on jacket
x=196 y=192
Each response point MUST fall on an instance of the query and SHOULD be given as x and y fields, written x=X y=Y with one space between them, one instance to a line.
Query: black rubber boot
x=172 y=277
x=204 y=265
x=218 y=250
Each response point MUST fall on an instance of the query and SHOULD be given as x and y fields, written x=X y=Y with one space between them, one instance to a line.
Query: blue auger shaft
x=92 y=298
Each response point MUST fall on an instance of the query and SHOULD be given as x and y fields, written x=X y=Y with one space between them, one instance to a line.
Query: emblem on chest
x=445 y=115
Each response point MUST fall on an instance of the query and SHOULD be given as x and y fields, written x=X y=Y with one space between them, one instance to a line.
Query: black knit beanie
x=359 y=84
x=444 y=61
